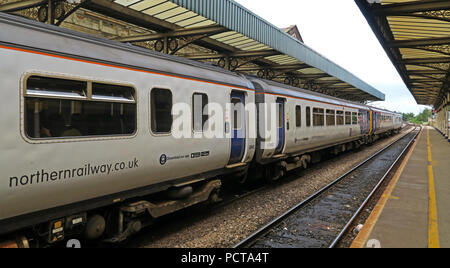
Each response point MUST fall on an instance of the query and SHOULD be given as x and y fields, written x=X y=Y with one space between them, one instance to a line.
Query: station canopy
x=416 y=37
x=223 y=33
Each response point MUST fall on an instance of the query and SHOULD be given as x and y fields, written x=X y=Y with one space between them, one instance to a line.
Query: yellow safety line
x=361 y=240
x=433 y=229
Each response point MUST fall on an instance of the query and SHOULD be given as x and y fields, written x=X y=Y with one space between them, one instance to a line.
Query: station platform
x=414 y=209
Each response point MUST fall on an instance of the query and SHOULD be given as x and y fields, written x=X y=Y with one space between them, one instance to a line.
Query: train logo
x=163 y=159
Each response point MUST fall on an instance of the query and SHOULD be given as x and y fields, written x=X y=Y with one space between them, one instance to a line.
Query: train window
x=348 y=118
x=331 y=117
x=318 y=117
x=199 y=102
x=308 y=116
x=280 y=115
x=298 y=116
x=46 y=87
x=112 y=93
x=340 y=118
x=237 y=112
x=61 y=108
x=354 y=118
x=161 y=110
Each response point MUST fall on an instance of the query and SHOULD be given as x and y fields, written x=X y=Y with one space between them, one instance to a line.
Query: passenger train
x=87 y=147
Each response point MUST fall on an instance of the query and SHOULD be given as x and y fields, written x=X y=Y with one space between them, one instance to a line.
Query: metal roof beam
x=342 y=87
x=419 y=42
x=312 y=76
x=21 y=5
x=426 y=60
x=236 y=54
x=435 y=80
x=422 y=72
x=425 y=76
x=412 y=7
x=209 y=30
x=327 y=82
x=279 y=67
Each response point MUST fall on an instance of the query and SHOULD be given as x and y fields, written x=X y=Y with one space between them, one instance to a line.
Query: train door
x=371 y=122
x=281 y=131
x=374 y=122
x=365 y=122
x=238 y=130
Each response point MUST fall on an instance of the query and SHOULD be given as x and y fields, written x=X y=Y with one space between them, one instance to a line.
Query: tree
x=419 y=119
x=423 y=117
x=408 y=117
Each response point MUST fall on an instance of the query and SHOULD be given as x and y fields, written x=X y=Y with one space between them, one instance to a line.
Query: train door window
x=280 y=115
x=161 y=110
x=308 y=116
x=348 y=118
x=331 y=117
x=237 y=112
x=62 y=108
x=354 y=118
x=199 y=103
x=318 y=117
x=340 y=118
x=298 y=116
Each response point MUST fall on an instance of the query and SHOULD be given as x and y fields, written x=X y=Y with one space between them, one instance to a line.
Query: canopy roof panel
x=416 y=37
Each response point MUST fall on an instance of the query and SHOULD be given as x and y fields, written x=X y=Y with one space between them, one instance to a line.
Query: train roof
x=382 y=110
x=273 y=87
x=48 y=38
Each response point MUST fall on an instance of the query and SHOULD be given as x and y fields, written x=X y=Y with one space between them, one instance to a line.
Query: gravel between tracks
x=226 y=226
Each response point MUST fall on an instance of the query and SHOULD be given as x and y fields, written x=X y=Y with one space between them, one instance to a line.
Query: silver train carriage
x=87 y=144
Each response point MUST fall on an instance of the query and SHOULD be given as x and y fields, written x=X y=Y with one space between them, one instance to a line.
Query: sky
x=338 y=30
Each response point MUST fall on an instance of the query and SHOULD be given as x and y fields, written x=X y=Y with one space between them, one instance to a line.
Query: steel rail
x=250 y=240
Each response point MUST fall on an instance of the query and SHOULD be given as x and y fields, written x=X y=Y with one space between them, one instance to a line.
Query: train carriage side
x=398 y=121
x=383 y=122
x=308 y=122
x=91 y=130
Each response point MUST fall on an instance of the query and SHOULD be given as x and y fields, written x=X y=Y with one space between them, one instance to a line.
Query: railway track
x=195 y=213
x=324 y=218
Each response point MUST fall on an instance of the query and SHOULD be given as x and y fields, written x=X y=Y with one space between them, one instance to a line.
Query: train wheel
x=274 y=173
x=242 y=178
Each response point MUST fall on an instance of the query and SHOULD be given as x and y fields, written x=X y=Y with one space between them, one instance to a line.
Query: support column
x=447 y=116
x=166 y=45
x=227 y=62
x=51 y=16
